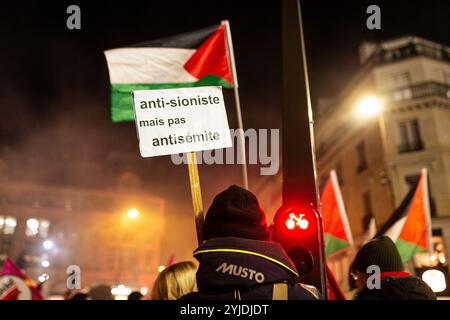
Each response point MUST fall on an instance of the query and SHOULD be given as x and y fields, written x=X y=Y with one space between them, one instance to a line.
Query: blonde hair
x=175 y=281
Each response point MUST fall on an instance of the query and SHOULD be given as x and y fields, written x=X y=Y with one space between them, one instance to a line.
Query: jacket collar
x=384 y=275
x=227 y=263
x=271 y=251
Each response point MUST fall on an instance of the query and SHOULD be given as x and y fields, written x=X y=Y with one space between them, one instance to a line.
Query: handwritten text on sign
x=171 y=121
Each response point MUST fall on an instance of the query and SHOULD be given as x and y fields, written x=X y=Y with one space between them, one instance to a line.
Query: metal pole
x=299 y=162
x=196 y=194
x=237 y=102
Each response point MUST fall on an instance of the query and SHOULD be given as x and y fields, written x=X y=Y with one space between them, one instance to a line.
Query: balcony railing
x=421 y=90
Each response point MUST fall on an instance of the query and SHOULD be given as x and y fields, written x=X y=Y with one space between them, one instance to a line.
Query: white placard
x=171 y=121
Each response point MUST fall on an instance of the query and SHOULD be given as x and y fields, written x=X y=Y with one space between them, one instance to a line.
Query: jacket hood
x=228 y=263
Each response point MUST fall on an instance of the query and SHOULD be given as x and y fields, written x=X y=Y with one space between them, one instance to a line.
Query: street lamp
x=435 y=279
x=45 y=263
x=48 y=244
x=133 y=213
x=369 y=107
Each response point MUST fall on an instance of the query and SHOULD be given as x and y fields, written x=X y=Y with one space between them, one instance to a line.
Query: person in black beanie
x=395 y=283
x=237 y=259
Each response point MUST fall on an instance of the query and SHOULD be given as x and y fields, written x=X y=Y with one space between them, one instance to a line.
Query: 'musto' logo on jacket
x=239 y=271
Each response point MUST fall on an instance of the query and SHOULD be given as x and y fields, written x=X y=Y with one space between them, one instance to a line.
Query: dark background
x=55 y=127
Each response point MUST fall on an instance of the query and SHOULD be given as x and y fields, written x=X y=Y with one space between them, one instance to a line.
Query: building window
x=37 y=227
x=412 y=180
x=367 y=209
x=402 y=83
x=402 y=94
x=361 y=157
x=401 y=80
x=410 y=137
x=7 y=225
x=339 y=174
x=367 y=204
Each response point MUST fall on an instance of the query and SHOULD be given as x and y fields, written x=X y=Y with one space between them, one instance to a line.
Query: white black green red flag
x=336 y=228
x=410 y=224
x=199 y=58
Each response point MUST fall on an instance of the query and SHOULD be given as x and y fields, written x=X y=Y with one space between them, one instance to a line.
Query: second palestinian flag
x=199 y=58
x=410 y=224
x=336 y=228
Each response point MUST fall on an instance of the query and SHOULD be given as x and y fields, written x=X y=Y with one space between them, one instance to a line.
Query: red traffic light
x=298 y=228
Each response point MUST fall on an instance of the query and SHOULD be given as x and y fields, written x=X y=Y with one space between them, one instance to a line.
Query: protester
x=237 y=260
x=395 y=284
x=175 y=281
x=101 y=292
x=135 y=295
x=80 y=296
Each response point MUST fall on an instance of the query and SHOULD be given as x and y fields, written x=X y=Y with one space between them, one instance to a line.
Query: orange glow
x=133 y=213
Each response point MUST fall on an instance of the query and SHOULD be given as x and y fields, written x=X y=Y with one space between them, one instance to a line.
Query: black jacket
x=236 y=268
x=398 y=288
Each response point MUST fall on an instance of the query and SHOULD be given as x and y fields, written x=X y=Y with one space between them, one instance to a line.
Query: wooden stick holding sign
x=182 y=120
x=196 y=194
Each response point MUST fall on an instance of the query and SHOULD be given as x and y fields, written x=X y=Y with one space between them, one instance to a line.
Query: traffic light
x=299 y=231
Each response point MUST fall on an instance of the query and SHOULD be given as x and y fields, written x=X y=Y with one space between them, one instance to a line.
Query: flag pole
x=196 y=194
x=426 y=202
x=230 y=51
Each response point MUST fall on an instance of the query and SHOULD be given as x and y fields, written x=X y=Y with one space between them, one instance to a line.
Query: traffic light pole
x=299 y=163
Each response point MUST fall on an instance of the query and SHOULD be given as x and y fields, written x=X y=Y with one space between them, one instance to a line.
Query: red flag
x=336 y=228
x=11 y=271
x=170 y=260
x=211 y=58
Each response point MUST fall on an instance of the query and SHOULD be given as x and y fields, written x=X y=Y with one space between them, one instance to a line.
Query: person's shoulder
x=206 y=296
x=302 y=291
x=368 y=294
x=193 y=296
x=398 y=288
x=412 y=286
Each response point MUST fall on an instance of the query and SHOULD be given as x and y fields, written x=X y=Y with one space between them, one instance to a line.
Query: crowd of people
x=238 y=261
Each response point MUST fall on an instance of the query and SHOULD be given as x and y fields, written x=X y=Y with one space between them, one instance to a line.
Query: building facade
x=47 y=229
x=379 y=156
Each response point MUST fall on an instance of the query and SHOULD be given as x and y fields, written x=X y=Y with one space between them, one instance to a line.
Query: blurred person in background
x=135 y=295
x=395 y=282
x=175 y=281
x=80 y=296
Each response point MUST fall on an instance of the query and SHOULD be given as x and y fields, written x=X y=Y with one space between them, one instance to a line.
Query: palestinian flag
x=410 y=224
x=22 y=287
x=8 y=289
x=199 y=58
x=336 y=228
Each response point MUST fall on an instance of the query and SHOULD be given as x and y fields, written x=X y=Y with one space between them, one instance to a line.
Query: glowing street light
x=369 y=107
x=45 y=263
x=121 y=292
x=435 y=279
x=43 y=277
x=48 y=244
x=133 y=213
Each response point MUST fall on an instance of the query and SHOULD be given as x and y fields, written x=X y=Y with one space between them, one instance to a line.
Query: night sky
x=54 y=85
